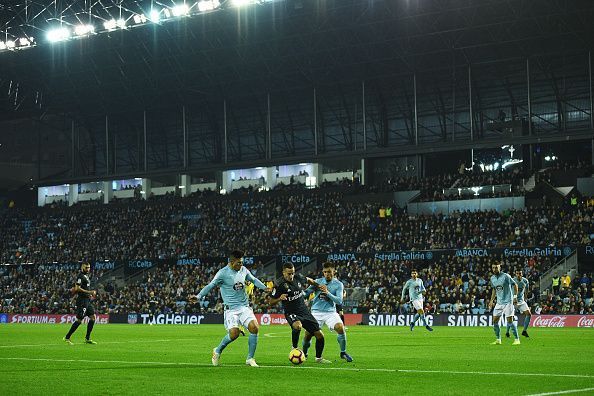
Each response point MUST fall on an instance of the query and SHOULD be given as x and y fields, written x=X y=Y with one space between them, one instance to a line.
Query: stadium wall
x=383 y=319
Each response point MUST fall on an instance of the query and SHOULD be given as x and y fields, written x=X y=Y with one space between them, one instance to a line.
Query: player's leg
x=295 y=333
x=320 y=342
x=231 y=320
x=91 y=324
x=421 y=314
x=497 y=312
x=310 y=324
x=306 y=342
x=248 y=320
x=509 y=314
x=340 y=311
x=80 y=314
x=527 y=315
x=334 y=322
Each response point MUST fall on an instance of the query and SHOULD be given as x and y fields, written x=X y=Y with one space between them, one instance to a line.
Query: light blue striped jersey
x=232 y=285
x=323 y=302
x=504 y=287
x=415 y=288
x=522 y=287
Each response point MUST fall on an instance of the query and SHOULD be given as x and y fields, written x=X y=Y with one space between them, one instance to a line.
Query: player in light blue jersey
x=506 y=290
x=521 y=304
x=328 y=294
x=415 y=289
x=231 y=281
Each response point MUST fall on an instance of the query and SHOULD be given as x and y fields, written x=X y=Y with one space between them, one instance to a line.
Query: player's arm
x=336 y=299
x=514 y=286
x=404 y=291
x=275 y=297
x=312 y=282
x=78 y=289
x=307 y=292
x=216 y=281
x=492 y=300
x=256 y=281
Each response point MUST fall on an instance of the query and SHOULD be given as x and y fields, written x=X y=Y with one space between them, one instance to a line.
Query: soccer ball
x=296 y=356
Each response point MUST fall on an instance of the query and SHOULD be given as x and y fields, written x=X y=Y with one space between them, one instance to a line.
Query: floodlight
x=241 y=3
x=179 y=10
x=155 y=16
x=58 y=34
x=81 y=30
x=208 y=5
x=110 y=25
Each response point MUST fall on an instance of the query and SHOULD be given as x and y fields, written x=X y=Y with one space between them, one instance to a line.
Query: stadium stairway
x=567 y=265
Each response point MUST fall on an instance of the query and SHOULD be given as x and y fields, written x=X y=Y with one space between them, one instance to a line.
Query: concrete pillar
x=146 y=188
x=185 y=185
x=72 y=194
x=318 y=173
x=107 y=192
x=271 y=177
x=363 y=171
x=226 y=181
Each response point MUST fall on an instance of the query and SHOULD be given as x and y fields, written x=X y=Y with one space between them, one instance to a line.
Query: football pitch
x=166 y=359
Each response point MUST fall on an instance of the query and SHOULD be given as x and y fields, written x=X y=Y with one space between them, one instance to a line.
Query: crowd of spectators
x=270 y=224
x=281 y=222
x=454 y=285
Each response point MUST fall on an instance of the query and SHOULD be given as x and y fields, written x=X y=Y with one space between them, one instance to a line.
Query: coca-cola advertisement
x=52 y=319
x=562 y=321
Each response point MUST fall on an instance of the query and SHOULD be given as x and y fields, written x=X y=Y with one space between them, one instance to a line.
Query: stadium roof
x=269 y=47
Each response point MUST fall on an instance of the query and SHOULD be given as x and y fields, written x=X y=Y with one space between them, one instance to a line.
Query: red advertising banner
x=279 y=319
x=52 y=319
x=562 y=321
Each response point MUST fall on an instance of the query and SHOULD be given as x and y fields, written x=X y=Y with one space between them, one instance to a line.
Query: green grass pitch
x=166 y=359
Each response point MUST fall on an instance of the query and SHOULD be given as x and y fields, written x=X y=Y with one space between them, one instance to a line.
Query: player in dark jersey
x=288 y=289
x=153 y=307
x=82 y=289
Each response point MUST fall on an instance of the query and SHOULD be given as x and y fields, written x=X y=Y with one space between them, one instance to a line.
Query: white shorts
x=506 y=310
x=418 y=303
x=522 y=306
x=238 y=316
x=330 y=319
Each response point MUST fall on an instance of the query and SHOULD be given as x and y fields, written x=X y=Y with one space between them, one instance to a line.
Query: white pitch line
x=102 y=343
x=563 y=392
x=303 y=367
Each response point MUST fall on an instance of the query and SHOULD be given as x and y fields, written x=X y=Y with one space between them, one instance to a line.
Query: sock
x=515 y=330
x=90 y=328
x=306 y=345
x=342 y=342
x=526 y=322
x=496 y=328
x=73 y=328
x=295 y=336
x=423 y=319
x=224 y=342
x=416 y=317
x=319 y=347
x=252 y=344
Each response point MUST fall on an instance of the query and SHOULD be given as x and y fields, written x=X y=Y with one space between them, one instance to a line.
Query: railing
x=562 y=267
x=476 y=191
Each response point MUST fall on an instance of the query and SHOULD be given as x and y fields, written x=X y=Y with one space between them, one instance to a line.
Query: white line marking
x=563 y=392
x=102 y=343
x=303 y=367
